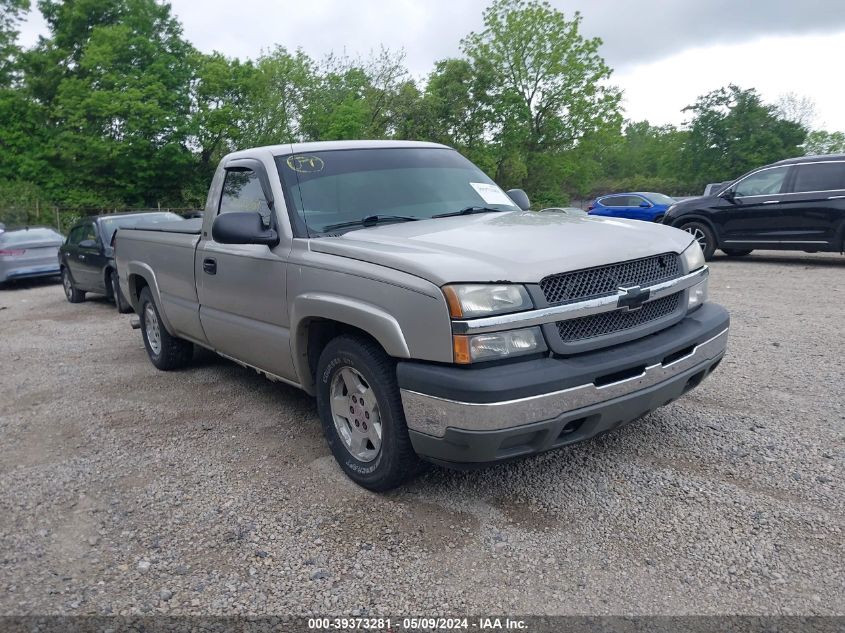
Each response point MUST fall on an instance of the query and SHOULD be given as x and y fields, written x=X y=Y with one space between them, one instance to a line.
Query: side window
x=75 y=236
x=613 y=201
x=763 y=183
x=90 y=232
x=635 y=201
x=819 y=177
x=242 y=192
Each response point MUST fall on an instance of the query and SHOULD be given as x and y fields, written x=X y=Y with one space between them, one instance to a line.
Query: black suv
x=87 y=257
x=794 y=204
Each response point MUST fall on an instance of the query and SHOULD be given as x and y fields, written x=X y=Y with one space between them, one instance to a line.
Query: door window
x=88 y=232
x=615 y=201
x=75 y=236
x=242 y=191
x=762 y=183
x=819 y=177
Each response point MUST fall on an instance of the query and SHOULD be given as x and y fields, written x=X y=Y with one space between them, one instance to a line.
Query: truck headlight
x=466 y=301
x=496 y=345
x=693 y=257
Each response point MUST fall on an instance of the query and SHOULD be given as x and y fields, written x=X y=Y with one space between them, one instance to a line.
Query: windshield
x=332 y=187
x=110 y=225
x=660 y=198
x=30 y=235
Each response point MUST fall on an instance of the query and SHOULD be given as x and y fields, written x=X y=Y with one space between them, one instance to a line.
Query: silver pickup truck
x=433 y=316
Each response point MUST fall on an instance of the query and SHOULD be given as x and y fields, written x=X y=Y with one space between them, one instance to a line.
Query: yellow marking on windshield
x=305 y=164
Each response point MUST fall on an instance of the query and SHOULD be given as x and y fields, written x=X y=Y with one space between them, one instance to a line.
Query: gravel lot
x=127 y=490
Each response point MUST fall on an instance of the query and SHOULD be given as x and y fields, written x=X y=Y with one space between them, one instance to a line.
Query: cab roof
x=326 y=146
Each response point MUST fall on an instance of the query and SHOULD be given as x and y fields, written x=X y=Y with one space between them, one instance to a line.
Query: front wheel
x=703 y=235
x=361 y=414
x=73 y=294
x=736 y=252
x=120 y=301
x=166 y=352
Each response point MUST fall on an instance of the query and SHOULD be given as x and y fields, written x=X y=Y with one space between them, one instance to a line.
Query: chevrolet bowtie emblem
x=632 y=298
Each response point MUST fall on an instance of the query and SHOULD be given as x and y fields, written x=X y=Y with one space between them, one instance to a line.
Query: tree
x=219 y=97
x=276 y=98
x=821 y=142
x=114 y=76
x=11 y=12
x=733 y=131
x=801 y=110
x=546 y=91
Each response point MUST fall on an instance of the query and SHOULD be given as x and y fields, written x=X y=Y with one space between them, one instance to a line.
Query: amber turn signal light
x=460 y=348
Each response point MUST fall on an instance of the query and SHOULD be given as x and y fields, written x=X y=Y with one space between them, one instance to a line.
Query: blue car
x=650 y=207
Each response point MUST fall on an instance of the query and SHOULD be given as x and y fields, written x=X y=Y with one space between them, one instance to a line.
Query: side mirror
x=520 y=198
x=729 y=195
x=644 y=204
x=89 y=244
x=242 y=228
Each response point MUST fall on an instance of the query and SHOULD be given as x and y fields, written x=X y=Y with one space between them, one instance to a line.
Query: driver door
x=241 y=287
x=755 y=216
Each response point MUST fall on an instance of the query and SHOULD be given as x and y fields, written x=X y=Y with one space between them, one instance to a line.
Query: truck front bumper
x=460 y=416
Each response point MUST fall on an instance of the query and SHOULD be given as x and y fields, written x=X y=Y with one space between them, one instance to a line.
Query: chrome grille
x=618 y=320
x=602 y=280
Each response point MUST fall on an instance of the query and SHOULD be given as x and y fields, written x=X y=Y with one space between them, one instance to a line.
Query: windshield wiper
x=468 y=211
x=370 y=220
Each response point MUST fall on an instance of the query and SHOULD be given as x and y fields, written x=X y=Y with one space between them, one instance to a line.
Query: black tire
x=395 y=461
x=120 y=301
x=702 y=233
x=658 y=219
x=72 y=293
x=168 y=352
x=737 y=252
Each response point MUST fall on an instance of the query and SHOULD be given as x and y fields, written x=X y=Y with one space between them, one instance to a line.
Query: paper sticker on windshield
x=491 y=194
x=305 y=164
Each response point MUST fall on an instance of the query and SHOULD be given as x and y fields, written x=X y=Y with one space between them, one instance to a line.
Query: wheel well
x=317 y=333
x=136 y=284
x=697 y=218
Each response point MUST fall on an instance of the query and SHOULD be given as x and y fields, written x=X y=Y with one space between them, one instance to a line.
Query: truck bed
x=190 y=227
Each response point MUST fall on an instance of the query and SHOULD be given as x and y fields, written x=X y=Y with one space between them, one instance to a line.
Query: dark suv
x=794 y=204
x=87 y=257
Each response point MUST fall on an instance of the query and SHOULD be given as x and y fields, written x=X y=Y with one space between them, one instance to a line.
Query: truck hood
x=518 y=246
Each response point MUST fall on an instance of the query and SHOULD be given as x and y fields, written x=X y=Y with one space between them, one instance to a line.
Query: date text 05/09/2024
x=417 y=624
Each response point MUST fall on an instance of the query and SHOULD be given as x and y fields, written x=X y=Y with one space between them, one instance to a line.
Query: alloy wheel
x=698 y=235
x=152 y=329
x=66 y=283
x=355 y=414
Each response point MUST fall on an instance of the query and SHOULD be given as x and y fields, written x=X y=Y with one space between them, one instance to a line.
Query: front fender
x=367 y=317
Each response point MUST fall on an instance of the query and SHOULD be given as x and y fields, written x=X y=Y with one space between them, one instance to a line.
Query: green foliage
x=821 y=142
x=114 y=108
x=545 y=91
x=11 y=12
x=733 y=131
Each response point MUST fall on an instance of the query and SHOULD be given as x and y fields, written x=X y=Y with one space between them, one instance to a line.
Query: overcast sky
x=664 y=52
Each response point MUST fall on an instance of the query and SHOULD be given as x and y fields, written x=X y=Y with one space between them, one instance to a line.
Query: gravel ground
x=127 y=490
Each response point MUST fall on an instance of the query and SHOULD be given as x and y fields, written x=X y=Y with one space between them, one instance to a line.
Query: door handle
x=771 y=201
x=209 y=265
x=835 y=197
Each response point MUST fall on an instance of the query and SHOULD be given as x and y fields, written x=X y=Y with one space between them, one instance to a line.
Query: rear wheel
x=166 y=352
x=736 y=252
x=361 y=414
x=703 y=235
x=120 y=302
x=73 y=294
